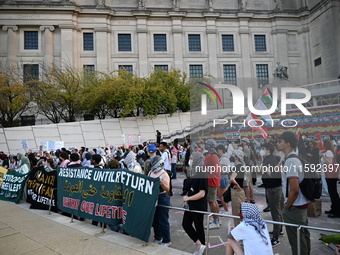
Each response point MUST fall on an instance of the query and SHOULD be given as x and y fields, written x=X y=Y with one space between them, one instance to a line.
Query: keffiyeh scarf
x=251 y=216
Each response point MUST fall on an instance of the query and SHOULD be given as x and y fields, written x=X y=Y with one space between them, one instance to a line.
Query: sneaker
x=157 y=241
x=165 y=244
x=274 y=242
x=281 y=233
x=213 y=225
x=200 y=250
x=267 y=209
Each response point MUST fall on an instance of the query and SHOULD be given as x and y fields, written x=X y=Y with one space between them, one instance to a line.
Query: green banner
x=112 y=196
x=12 y=186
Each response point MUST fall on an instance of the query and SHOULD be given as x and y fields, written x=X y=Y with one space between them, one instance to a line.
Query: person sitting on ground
x=49 y=165
x=25 y=165
x=75 y=160
x=252 y=231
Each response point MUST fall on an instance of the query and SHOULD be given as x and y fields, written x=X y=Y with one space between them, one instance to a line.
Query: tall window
x=227 y=42
x=194 y=42
x=262 y=75
x=31 y=72
x=124 y=42
x=88 y=41
x=161 y=67
x=159 y=41
x=31 y=40
x=229 y=73
x=196 y=71
x=126 y=67
x=260 y=43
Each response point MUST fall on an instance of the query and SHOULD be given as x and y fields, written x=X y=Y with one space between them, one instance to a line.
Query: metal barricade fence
x=209 y=214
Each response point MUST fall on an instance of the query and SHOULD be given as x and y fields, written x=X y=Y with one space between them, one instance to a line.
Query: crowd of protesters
x=284 y=199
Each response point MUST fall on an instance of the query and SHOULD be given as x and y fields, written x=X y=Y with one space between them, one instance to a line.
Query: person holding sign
x=160 y=223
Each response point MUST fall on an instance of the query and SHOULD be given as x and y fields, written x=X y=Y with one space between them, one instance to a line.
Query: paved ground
x=181 y=241
x=25 y=231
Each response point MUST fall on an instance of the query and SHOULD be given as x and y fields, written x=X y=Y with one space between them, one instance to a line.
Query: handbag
x=227 y=195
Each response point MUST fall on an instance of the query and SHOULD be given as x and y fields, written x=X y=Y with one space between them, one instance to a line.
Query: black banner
x=41 y=185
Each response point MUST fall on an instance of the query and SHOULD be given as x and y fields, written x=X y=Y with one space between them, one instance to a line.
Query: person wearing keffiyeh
x=161 y=223
x=252 y=231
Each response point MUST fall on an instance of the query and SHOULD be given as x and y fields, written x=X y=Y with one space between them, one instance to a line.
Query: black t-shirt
x=5 y=162
x=197 y=184
x=240 y=176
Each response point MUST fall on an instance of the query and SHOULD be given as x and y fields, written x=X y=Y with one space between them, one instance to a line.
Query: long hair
x=51 y=162
x=329 y=146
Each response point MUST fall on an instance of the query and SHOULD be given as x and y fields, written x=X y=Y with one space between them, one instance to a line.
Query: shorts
x=247 y=179
x=212 y=193
x=224 y=181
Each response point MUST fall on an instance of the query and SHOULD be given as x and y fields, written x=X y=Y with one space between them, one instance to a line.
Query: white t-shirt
x=167 y=160
x=293 y=168
x=252 y=240
x=328 y=154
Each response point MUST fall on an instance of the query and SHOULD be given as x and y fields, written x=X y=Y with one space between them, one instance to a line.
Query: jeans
x=297 y=216
x=274 y=197
x=161 y=226
x=173 y=170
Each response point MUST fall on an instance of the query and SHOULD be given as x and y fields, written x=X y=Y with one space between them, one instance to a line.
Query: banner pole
x=103 y=226
x=49 y=208
x=71 y=218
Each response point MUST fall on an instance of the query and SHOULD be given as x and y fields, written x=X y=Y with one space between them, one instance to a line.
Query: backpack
x=311 y=185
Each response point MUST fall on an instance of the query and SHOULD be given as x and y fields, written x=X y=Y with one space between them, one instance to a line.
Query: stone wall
x=94 y=133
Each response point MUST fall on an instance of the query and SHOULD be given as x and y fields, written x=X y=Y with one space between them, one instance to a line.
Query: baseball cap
x=289 y=137
x=152 y=148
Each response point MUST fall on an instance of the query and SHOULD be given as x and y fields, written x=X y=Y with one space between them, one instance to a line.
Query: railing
x=209 y=214
x=323 y=88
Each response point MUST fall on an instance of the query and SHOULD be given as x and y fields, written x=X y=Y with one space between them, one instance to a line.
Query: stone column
x=102 y=49
x=12 y=45
x=48 y=45
x=213 y=67
x=177 y=33
x=142 y=32
x=281 y=46
x=245 y=37
x=67 y=45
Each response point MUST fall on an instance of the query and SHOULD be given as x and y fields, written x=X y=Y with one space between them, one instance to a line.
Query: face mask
x=190 y=162
x=232 y=159
x=262 y=153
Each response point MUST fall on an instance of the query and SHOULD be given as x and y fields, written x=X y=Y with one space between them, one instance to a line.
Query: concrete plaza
x=26 y=231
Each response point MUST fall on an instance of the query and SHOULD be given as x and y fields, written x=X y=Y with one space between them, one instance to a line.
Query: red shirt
x=214 y=175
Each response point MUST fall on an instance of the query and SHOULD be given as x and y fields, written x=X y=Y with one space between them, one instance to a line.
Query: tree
x=14 y=99
x=95 y=94
x=124 y=93
x=67 y=88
